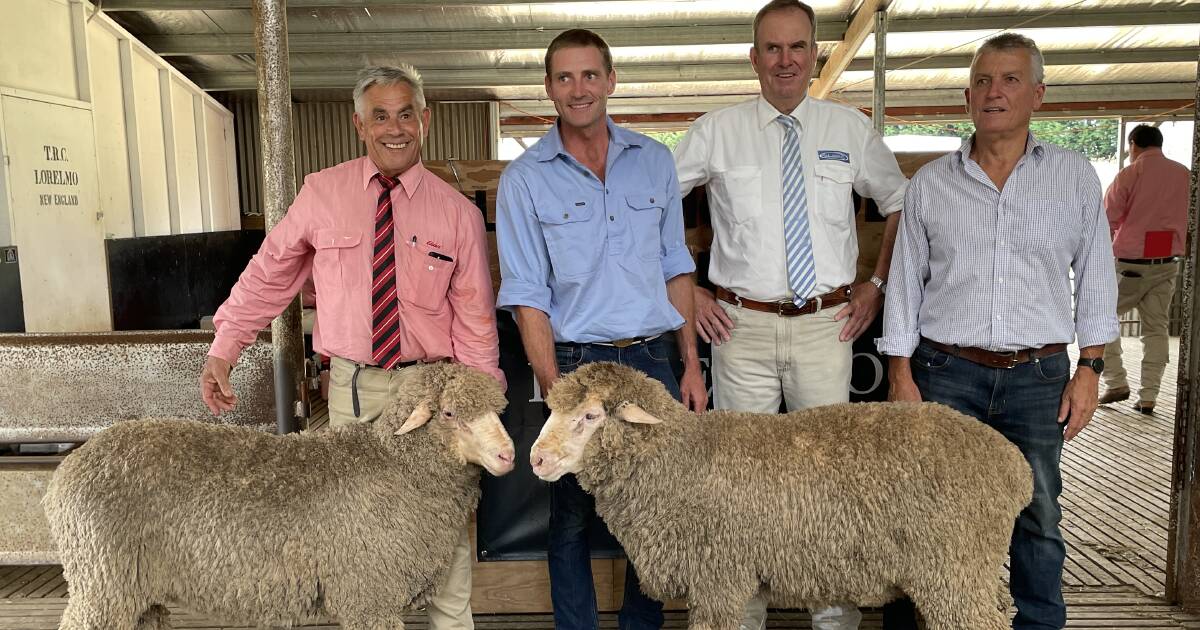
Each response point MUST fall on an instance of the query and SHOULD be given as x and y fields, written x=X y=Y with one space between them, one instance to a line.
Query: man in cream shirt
x=780 y=170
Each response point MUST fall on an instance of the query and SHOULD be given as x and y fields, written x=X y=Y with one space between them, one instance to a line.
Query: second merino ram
x=849 y=503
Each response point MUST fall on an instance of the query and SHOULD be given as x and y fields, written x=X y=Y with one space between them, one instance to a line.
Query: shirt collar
x=766 y=113
x=551 y=145
x=410 y=180
x=1033 y=147
x=1148 y=151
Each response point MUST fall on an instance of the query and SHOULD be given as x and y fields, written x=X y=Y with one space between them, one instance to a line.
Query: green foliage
x=669 y=138
x=1094 y=137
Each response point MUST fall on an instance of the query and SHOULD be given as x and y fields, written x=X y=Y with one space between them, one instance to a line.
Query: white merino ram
x=357 y=523
x=849 y=503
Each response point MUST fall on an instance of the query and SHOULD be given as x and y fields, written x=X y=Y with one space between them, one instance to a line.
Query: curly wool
x=355 y=523
x=843 y=503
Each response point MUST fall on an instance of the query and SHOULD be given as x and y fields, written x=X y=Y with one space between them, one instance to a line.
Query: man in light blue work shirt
x=594 y=266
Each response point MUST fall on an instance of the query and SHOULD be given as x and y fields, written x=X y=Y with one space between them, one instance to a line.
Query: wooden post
x=1183 y=552
x=879 y=98
x=279 y=189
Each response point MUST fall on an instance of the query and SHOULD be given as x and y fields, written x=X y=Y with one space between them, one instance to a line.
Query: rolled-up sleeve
x=1095 y=272
x=880 y=178
x=906 y=281
x=524 y=260
x=676 y=259
x=270 y=281
x=473 y=327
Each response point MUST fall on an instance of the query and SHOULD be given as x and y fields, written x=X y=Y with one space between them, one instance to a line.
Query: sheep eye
x=448 y=413
x=590 y=416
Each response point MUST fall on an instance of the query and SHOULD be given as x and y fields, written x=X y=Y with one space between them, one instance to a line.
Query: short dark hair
x=579 y=38
x=1146 y=136
x=784 y=5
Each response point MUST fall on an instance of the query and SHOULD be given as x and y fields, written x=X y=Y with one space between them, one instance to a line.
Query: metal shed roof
x=686 y=57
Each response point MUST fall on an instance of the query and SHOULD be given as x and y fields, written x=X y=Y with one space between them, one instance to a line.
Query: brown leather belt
x=988 y=358
x=840 y=295
x=1149 y=261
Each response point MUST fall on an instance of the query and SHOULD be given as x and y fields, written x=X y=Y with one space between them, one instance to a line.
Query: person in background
x=1147 y=207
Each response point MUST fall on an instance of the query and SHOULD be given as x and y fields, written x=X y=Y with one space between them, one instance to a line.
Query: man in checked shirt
x=400 y=265
x=979 y=313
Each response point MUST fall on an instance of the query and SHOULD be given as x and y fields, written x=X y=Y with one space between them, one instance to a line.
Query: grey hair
x=385 y=75
x=1014 y=41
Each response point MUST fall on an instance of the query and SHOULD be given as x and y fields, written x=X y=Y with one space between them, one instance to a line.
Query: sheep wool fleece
x=842 y=503
x=251 y=528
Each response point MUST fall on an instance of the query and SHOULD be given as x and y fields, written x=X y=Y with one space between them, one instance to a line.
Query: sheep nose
x=506 y=456
x=538 y=461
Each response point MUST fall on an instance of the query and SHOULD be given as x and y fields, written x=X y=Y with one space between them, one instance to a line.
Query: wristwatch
x=879 y=283
x=1097 y=365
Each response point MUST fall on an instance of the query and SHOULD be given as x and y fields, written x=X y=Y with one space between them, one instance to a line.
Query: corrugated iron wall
x=463 y=131
x=324 y=135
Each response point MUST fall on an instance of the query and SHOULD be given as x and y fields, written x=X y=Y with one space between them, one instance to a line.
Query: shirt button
x=612 y=218
x=1000 y=280
x=430 y=267
x=652 y=200
x=566 y=215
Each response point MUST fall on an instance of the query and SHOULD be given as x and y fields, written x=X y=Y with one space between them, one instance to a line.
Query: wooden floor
x=1116 y=478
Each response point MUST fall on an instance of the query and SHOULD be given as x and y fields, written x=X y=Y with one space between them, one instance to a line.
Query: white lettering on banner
x=876 y=367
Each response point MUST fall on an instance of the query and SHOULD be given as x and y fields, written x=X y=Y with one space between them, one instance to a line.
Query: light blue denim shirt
x=595 y=256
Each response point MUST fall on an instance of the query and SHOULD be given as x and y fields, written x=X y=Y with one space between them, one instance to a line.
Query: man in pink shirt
x=400 y=264
x=1147 y=211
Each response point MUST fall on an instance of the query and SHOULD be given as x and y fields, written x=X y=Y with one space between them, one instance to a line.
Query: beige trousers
x=451 y=607
x=1150 y=292
x=799 y=361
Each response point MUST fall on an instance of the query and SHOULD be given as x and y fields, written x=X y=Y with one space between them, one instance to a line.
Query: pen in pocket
x=441 y=256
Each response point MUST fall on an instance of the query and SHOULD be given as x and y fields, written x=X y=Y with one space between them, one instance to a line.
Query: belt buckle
x=1011 y=357
x=624 y=343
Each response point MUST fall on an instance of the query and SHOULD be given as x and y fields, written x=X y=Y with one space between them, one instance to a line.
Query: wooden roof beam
x=861 y=25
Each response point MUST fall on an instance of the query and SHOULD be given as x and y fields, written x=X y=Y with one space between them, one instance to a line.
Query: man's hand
x=902 y=387
x=215 y=389
x=866 y=300
x=693 y=393
x=1079 y=401
x=712 y=323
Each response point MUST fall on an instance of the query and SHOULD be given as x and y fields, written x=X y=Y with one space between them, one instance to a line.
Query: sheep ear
x=418 y=418
x=630 y=412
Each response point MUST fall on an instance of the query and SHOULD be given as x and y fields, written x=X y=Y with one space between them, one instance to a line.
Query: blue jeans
x=1022 y=404
x=572 y=511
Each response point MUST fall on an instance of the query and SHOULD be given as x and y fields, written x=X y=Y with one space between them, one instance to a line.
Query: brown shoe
x=1144 y=407
x=1115 y=395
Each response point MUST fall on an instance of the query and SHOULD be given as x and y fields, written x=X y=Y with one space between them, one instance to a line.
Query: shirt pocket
x=835 y=185
x=335 y=261
x=645 y=221
x=574 y=247
x=740 y=190
x=426 y=274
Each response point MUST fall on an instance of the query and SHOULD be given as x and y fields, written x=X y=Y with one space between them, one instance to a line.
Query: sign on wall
x=54 y=207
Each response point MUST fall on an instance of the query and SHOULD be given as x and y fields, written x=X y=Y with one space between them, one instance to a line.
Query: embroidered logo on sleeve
x=839 y=156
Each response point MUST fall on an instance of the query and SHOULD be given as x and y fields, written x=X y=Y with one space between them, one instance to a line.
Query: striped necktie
x=801 y=269
x=385 y=308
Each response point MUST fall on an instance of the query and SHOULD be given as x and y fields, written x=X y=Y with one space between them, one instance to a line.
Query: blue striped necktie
x=801 y=269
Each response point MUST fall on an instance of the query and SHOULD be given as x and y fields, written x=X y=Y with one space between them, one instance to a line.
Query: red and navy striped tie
x=385 y=309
